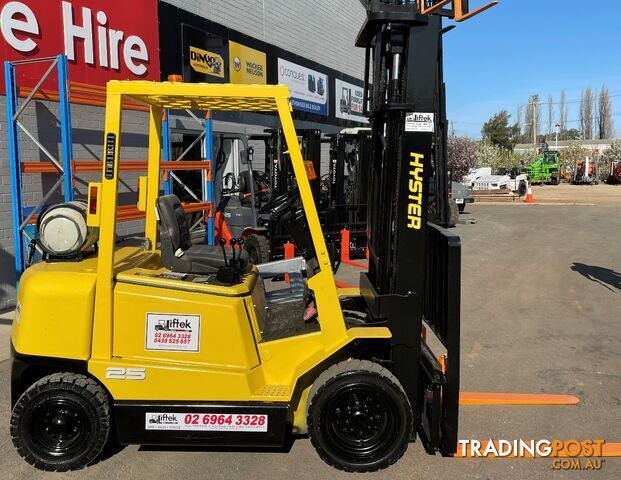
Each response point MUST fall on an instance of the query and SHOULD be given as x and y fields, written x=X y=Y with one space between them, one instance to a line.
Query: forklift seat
x=178 y=252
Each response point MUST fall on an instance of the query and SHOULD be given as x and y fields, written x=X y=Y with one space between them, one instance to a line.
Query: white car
x=482 y=179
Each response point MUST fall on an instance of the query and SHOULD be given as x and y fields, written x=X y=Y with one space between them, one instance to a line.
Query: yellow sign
x=247 y=65
x=206 y=62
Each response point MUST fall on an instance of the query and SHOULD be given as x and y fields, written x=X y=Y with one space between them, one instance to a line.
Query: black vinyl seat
x=178 y=252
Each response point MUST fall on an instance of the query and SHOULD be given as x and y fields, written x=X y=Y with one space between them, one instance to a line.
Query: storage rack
x=83 y=94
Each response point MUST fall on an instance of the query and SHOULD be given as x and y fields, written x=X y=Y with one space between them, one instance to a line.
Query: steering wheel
x=282 y=202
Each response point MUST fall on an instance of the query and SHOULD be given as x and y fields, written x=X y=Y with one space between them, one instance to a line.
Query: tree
x=562 y=109
x=605 y=128
x=518 y=120
x=587 y=114
x=462 y=157
x=533 y=116
x=571 y=134
x=498 y=131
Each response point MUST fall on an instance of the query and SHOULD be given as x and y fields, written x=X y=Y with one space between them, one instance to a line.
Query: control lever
x=223 y=245
x=240 y=242
x=233 y=242
x=229 y=273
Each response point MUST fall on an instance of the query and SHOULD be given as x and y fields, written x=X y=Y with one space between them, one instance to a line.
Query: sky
x=519 y=48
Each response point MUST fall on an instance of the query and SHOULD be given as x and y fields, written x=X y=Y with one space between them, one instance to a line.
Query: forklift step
x=272 y=391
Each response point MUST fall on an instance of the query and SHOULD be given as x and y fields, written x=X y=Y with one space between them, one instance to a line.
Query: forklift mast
x=414 y=278
x=281 y=172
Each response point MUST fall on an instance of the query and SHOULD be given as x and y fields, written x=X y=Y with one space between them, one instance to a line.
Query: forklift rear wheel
x=359 y=418
x=462 y=207
x=62 y=422
x=258 y=248
x=523 y=188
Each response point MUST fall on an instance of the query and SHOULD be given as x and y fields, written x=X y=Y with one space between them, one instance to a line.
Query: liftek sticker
x=206 y=422
x=173 y=333
x=420 y=122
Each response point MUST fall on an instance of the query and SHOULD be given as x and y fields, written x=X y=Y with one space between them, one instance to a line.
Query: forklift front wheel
x=62 y=422
x=258 y=248
x=359 y=418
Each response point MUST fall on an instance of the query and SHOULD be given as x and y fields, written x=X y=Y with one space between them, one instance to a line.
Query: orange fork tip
x=494 y=398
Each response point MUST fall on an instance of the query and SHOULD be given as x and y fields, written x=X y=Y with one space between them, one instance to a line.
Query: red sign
x=103 y=39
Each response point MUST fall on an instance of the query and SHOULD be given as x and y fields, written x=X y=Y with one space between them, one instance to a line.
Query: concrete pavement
x=540 y=313
x=6 y=318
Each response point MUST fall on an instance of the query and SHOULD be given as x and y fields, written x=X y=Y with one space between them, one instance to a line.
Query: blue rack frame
x=208 y=184
x=21 y=214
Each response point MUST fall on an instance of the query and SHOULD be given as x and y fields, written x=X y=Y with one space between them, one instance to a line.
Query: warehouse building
x=306 y=45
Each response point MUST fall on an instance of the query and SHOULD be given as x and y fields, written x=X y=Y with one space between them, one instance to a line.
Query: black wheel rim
x=361 y=422
x=58 y=427
x=253 y=256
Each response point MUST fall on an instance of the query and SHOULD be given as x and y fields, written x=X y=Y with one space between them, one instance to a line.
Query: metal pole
x=65 y=127
x=208 y=190
x=534 y=100
x=15 y=164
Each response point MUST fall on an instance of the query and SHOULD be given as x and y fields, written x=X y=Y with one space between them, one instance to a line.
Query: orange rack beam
x=82 y=94
x=125 y=213
x=125 y=166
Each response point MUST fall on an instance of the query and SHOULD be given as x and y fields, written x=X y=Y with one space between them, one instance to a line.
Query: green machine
x=546 y=168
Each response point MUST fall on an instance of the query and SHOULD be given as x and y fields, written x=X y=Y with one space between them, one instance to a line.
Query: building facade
x=308 y=45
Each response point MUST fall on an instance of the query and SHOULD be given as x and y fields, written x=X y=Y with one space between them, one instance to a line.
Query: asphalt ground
x=541 y=309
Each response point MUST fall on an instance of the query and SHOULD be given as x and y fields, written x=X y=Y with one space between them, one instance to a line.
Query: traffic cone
x=529 y=196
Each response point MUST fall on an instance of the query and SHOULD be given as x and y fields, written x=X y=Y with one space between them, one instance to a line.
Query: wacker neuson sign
x=103 y=39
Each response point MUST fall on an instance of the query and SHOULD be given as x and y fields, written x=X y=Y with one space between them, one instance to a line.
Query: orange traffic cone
x=529 y=196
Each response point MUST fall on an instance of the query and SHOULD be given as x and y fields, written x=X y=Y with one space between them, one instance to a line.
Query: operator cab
x=179 y=254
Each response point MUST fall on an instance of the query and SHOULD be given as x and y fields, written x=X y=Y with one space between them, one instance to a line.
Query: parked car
x=482 y=179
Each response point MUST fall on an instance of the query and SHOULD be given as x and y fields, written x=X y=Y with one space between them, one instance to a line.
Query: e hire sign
x=103 y=39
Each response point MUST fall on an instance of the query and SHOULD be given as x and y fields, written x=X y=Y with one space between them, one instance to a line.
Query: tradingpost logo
x=565 y=454
x=209 y=63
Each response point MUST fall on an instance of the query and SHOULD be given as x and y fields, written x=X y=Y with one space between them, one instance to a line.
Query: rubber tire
x=462 y=207
x=83 y=391
x=259 y=246
x=361 y=371
x=453 y=213
x=522 y=189
x=556 y=180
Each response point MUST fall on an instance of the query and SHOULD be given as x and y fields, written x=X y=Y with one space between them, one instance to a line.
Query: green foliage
x=495 y=157
x=498 y=131
x=571 y=134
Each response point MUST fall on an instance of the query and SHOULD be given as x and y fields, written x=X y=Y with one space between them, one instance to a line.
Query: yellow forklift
x=173 y=343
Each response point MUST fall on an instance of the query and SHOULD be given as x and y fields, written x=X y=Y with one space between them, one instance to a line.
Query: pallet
x=503 y=195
